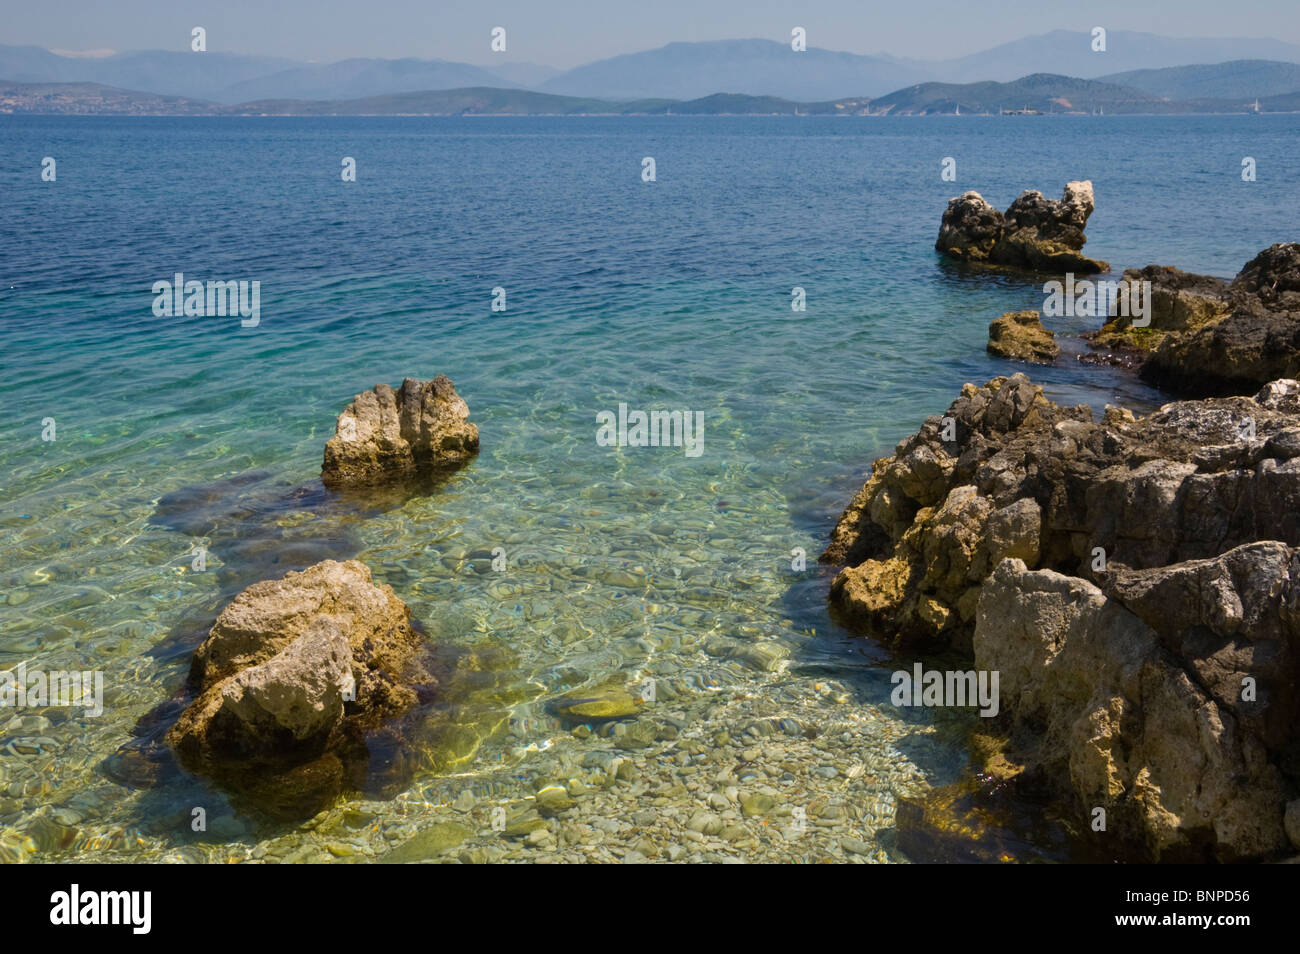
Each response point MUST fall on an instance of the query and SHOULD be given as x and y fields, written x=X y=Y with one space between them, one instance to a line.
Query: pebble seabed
x=761 y=740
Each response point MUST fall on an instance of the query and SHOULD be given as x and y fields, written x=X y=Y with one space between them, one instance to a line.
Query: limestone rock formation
x=1210 y=337
x=1020 y=335
x=1256 y=342
x=1131 y=578
x=1034 y=233
x=1184 y=482
x=1142 y=714
x=292 y=676
x=386 y=436
x=1180 y=302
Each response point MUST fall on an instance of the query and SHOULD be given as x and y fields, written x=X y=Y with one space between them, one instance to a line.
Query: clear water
x=671 y=295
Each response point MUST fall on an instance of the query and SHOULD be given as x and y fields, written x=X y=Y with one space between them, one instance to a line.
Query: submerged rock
x=1021 y=335
x=253 y=527
x=292 y=676
x=975 y=821
x=1131 y=580
x=1035 y=232
x=387 y=436
x=597 y=704
x=427 y=844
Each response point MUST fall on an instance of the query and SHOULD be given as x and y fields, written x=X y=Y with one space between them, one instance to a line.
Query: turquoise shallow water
x=624 y=563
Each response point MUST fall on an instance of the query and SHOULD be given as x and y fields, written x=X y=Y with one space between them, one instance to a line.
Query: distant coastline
x=1037 y=94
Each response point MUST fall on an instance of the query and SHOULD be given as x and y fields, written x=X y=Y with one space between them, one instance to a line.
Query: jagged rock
x=298 y=691
x=1034 y=233
x=1184 y=482
x=1021 y=335
x=1231 y=356
x=1145 y=568
x=386 y=436
x=1282 y=395
x=1119 y=719
x=292 y=676
x=970 y=228
x=1209 y=337
x=1180 y=302
x=1271 y=280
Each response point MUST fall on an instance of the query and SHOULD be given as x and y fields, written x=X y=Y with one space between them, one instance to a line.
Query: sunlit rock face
x=386 y=436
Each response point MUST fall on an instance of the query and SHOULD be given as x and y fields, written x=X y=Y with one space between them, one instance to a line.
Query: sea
x=151 y=466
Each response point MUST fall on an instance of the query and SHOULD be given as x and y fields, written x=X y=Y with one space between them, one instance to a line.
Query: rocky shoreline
x=1130 y=579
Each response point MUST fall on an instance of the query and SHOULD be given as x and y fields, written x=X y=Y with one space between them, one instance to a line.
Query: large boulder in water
x=391 y=436
x=293 y=675
x=1034 y=233
x=1020 y=335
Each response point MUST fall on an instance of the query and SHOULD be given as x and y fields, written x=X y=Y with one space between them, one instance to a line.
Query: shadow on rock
x=981 y=820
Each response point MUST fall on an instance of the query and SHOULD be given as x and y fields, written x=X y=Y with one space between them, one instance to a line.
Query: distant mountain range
x=1070 y=53
x=198 y=75
x=752 y=67
x=683 y=71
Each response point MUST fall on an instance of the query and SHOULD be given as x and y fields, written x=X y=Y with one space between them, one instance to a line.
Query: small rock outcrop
x=390 y=436
x=293 y=676
x=1133 y=580
x=1034 y=233
x=1180 y=302
x=1210 y=337
x=1020 y=335
x=1256 y=342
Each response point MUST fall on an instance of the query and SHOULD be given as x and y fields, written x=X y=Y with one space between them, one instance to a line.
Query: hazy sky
x=564 y=33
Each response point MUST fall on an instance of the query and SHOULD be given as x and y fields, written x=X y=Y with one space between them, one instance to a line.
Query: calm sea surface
x=623 y=564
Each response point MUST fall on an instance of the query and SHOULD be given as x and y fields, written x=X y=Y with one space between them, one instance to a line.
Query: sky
x=566 y=33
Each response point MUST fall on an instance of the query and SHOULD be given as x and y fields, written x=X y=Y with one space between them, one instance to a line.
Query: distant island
x=1037 y=94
